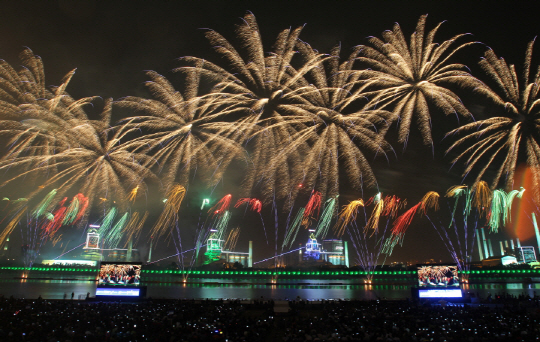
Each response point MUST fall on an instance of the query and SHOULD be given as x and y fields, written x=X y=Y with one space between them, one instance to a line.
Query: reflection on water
x=247 y=288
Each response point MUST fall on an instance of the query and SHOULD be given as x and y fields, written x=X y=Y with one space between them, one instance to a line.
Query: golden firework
x=408 y=77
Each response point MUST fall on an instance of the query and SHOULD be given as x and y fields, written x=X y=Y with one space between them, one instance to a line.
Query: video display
x=437 y=275
x=121 y=274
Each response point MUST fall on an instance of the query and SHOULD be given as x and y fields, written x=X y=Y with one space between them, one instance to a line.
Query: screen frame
x=137 y=282
x=455 y=282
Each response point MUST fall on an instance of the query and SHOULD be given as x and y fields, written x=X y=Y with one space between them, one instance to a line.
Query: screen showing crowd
x=438 y=276
x=119 y=274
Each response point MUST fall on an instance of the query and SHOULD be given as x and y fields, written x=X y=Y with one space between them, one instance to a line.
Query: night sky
x=112 y=43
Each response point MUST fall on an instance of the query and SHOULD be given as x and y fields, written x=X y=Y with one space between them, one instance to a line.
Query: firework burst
x=409 y=77
x=183 y=133
x=257 y=92
x=500 y=142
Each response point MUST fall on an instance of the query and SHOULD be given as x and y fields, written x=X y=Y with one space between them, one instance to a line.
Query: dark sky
x=111 y=43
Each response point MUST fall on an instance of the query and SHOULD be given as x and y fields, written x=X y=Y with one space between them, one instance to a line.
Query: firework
x=221 y=224
x=400 y=225
x=221 y=207
x=112 y=236
x=44 y=204
x=402 y=222
x=314 y=204
x=503 y=141
x=482 y=196
x=183 y=132
x=498 y=210
x=430 y=201
x=409 y=78
x=326 y=218
x=292 y=230
x=133 y=194
x=232 y=239
x=336 y=133
x=169 y=217
x=36 y=120
x=347 y=215
x=95 y=165
x=371 y=245
x=253 y=203
x=257 y=93
x=373 y=222
x=509 y=200
x=132 y=229
x=501 y=208
x=50 y=134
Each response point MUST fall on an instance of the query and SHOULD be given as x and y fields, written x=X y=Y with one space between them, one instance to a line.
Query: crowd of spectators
x=515 y=319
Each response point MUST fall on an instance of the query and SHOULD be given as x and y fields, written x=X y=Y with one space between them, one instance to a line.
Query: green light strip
x=278 y=273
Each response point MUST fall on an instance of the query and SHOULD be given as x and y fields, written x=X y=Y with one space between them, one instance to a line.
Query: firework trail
x=326 y=218
x=373 y=222
x=132 y=229
x=232 y=239
x=255 y=205
x=459 y=237
x=501 y=208
x=169 y=217
x=314 y=204
x=17 y=212
x=292 y=231
x=347 y=215
x=133 y=194
x=369 y=246
x=221 y=207
x=509 y=200
x=429 y=201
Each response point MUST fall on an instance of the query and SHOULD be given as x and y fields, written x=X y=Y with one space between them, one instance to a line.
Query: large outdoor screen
x=438 y=276
x=118 y=273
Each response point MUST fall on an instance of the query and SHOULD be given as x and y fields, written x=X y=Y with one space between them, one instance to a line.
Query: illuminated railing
x=278 y=273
